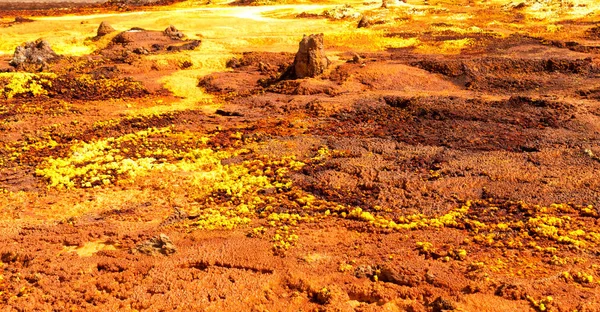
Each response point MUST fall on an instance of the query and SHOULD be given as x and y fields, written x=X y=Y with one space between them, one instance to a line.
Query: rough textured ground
x=448 y=159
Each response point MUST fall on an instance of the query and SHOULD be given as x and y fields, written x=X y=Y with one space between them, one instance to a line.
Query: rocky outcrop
x=174 y=33
x=104 y=29
x=192 y=45
x=33 y=56
x=127 y=46
x=310 y=61
x=160 y=244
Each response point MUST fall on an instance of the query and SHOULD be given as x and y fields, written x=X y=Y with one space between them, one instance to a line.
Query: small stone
x=159 y=244
x=364 y=271
x=104 y=29
x=141 y=51
x=440 y=304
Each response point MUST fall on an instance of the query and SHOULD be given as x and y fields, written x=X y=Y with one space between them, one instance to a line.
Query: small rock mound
x=33 y=55
x=20 y=19
x=141 y=41
x=104 y=29
x=368 y=21
x=173 y=33
x=364 y=22
x=159 y=244
x=440 y=304
x=310 y=61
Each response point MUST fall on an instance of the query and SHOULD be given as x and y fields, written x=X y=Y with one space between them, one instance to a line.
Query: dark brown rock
x=310 y=61
x=104 y=29
x=233 y=62
x=20 y=19
x=33 y=55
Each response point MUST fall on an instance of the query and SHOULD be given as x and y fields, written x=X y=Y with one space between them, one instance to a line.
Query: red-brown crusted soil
x=406 y=137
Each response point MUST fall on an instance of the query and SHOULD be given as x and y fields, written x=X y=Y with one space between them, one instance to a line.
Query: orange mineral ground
x=437 y=155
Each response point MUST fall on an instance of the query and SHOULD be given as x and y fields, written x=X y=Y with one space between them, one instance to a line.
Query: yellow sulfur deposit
x=26 y=84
